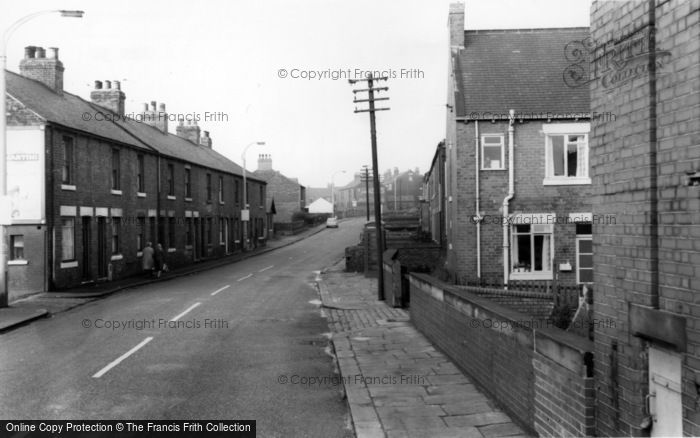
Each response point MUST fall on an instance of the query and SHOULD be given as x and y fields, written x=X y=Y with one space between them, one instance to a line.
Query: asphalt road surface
x=235 y=342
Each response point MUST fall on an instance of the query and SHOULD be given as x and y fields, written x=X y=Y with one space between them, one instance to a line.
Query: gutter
x=509 y=197
x=477 y=216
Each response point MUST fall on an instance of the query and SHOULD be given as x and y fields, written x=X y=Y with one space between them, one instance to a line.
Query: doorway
x=101 y=247
x=665 y=402
x=87 y=245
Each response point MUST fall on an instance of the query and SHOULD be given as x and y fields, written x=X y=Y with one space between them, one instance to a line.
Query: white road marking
x=265 y=269
x=243 y=278
x=185 y=312
x=220 y=289
x=122 y=357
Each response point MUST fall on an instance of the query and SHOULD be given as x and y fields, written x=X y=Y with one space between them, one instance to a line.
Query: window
x=116 y=225
x=67 y=170
x=116 y=170
x=221 y=231
x=221 y=189
x=209 y=225
x=171 y=233
x=262 y=195
x=566 y=154
x=17 y=247
x=584 y=253
x=188 y=183
x=171 y=180
x=492 y=152
x=237 y=190
x=188 y=231
x=140 y=176
x=531 y=250
x=141 y=233
x=67 y=239
x=208 y=187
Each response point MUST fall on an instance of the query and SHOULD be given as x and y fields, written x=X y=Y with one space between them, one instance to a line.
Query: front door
x=87 y=246
x=102 y=247
x=665 y=404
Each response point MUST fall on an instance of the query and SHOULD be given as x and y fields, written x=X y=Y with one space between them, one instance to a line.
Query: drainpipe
x=477 y=216
x=506 y=200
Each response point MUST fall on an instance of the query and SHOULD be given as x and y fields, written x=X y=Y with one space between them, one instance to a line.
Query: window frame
x=115 y=238
x=63 y=226
x=116 y=169
x=565 y=130
x=503 y=151
x=208 y=188
x=140 y=173
x=171 y=179
x=532 y=275
x=12 y=256
x=68 y=169
x=221 y=189
x=579 y=238
x=188 y=183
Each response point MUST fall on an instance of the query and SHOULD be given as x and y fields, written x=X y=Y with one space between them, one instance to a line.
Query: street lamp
x=5 y=218
x=245 y=213
x=333 y=191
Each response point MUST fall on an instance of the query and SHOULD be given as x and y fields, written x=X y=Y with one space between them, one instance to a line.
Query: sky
x=245 y=68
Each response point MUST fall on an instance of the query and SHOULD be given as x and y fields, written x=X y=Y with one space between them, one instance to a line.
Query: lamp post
x=333 y=191
x=245 y=213
x=5 y=218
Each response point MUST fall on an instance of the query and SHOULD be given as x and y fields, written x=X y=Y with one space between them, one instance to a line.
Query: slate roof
x=520 y=69
x=267 y=175
x=67 y=110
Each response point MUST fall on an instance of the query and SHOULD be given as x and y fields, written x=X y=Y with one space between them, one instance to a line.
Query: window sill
x=116 y=257
x=141 y=194
x=188 y=199
x=139 y=254
x=493 y=168
x=68 y=187
x=221 y=203
x=188 y=247
x=530 y=276
x=70 y=264
x=116 y=192
x=17 y=262
x=566 y=181
x=172 y=249
x=171 y=198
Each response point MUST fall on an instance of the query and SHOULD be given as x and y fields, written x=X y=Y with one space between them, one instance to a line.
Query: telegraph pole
x=375 y=166
x=365 y=169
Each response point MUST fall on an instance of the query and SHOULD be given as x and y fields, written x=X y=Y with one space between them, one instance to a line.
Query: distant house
x=314 y=193
x=321 y=206
x=285 y=193
x=517 y=195
x=402 y=190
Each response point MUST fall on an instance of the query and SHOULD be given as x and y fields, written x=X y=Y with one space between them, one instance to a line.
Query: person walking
x=147 y=258
x=159 y=260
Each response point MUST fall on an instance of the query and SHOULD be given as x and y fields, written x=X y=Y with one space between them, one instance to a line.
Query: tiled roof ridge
x=526 y=30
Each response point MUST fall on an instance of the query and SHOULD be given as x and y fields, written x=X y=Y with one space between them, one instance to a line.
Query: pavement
x=396 y=382
x=42 y=305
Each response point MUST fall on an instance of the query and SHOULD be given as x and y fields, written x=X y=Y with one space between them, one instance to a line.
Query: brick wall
x=531 y=196
x=93 y=197
x=286 y=193
x=651 y=257
x=527 y=369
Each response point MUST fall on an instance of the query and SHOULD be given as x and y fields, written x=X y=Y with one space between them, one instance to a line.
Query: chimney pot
x=29 y=52
x=117 y=85
x=53 y=52
x=162 y=107
x=145 y=107
x=40 y=52
x=153 y=105
x=108 y=85
x=98 y=85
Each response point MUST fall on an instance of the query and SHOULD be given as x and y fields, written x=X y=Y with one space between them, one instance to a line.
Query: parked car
x=332 y=222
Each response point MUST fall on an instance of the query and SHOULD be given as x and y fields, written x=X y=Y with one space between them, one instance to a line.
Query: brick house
x=90 y=185
x=517 y=188
x=287 y=195
x=351 y=199
x=645 y=165
x=402 y=190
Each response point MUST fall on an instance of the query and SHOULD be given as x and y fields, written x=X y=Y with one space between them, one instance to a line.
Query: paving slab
x=406 y=388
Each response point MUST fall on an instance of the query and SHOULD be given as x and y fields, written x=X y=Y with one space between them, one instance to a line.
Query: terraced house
x=90 y=187
x=510 y=190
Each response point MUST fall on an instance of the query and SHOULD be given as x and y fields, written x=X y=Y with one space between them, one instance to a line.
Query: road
x=243 y=329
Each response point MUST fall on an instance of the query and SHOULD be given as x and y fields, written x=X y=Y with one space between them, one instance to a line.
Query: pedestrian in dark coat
x=159 y=259
x=147 y=258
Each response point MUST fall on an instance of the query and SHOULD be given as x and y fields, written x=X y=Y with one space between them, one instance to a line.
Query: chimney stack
x=111 y=98
x=37 y=66
x=456 y=25
x=264 y=162
x=205 y=140
x=189 y=131
x=158 y=118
